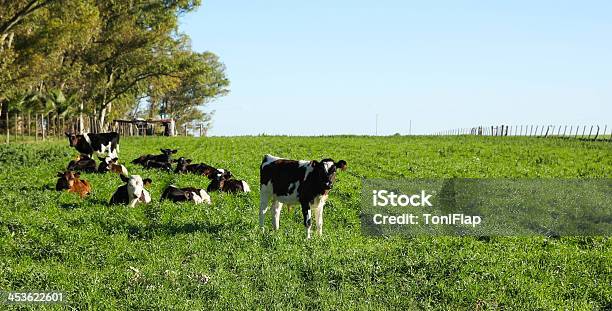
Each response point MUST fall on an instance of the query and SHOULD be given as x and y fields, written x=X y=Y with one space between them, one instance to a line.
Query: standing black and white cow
x=296 y=182
x=101 y=143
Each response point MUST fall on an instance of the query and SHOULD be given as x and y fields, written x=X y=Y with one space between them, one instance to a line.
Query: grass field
x=190 y=257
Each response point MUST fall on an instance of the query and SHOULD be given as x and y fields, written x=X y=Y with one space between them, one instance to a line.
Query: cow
x=82 y=163
x=70 y=180
x=195 y=195
x=155 y=164
x=164 y=157
x=132 y=192
x=223 y=181
x=296 y=182
x=100 y=143
x=184 y=166
x=109 y=164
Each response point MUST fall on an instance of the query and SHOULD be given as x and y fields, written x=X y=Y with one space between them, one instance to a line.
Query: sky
x=331 y=67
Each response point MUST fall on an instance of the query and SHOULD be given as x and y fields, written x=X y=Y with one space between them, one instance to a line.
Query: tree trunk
x=42 y=126
x=16 y=119
x=81 y=123
x=36 y=128
x=8 y=132
x=101 y=119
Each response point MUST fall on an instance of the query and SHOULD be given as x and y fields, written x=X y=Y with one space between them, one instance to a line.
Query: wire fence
x=584 y=132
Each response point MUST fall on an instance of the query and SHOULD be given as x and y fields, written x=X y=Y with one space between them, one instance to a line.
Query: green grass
x=189 y=257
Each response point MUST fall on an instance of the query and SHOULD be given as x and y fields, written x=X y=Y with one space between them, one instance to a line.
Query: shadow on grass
x=152 y=230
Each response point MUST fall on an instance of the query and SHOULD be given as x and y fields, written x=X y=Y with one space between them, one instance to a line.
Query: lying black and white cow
x=184 y=166
x=83 y=164
x=101 y=143
x=132 y=192
x=109 y=164
x=164 y=157
x=160 y=165
x=176 y=194
x=222 y=181
x=296 y=182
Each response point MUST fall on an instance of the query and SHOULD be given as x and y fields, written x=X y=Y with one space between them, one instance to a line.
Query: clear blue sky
x=328 y=67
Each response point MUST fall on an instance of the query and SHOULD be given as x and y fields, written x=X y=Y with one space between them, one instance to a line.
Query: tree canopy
x=108 y=58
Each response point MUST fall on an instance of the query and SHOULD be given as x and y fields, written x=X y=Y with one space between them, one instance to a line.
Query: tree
x=110 y=56
x=200 y=80
x=136 y=43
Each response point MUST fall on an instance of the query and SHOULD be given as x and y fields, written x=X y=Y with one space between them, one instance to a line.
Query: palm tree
x=15 y=106
x=62 y=106
x=37 y=102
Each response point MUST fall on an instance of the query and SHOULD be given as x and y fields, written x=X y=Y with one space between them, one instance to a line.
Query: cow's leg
x=133 y=202
x=277 y=206
x=112 y=151
x=307 y=218
x=319 y=215
x=264 y=198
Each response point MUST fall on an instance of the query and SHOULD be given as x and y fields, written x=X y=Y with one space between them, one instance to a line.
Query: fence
x=585 y=132
x=34 y=127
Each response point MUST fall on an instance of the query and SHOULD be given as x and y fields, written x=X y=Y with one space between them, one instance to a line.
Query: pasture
x=191 y=257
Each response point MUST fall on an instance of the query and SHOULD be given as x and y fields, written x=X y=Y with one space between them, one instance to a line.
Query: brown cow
x=69 y=180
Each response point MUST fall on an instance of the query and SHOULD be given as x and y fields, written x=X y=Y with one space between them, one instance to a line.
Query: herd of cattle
x=282 y=181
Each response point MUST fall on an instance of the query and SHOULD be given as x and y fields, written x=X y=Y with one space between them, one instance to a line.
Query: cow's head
x=168 y=152
x=221 y=174
x=218 y=178
x=136 y=187
x=108 y=160
x=66 y=179
x=181 y=164
x=73 y=139
x=324 y=172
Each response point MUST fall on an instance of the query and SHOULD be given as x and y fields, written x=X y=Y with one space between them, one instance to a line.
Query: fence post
x=590 y=131
x=577 y=129
x=596 y=134
x=583 y=130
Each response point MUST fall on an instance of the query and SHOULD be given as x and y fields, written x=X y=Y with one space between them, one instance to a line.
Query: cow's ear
x=147 y=182
x=67 y=134
x=124 y=178
x=60 y=174
x=115 y=160
x=77 y=175
x=163 y=150
x=175 y=151
x=341 y=165
x=101 y=158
